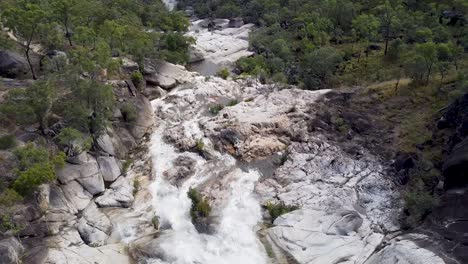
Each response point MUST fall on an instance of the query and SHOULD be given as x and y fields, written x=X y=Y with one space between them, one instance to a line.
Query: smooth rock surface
x=120 y=194
x=11 y=251
x=110 y=168
x=87 y=174
x=12 y=65
x=94 y=226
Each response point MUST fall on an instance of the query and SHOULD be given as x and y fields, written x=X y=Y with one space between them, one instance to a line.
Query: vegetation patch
x=215 y=109
x=223 y=73
x=200 y=206
x=277 y=209
x=7 y=142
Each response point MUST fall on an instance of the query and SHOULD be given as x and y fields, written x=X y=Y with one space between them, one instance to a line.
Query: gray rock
x=87 y=174
x=183 y=168
x=94 y=226
x=236 y=22
x=106 y=144
x=144 y=120
x=77 y=195
x=110 y=168
x=404 y=251
x=11 y=251
x=12 y=65
x=120 y=194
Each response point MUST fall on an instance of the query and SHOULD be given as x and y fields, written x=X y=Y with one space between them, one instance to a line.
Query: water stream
x=234 y=240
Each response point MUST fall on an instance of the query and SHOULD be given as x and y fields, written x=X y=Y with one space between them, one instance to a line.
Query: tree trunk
x=30 y=63
x=387 y=37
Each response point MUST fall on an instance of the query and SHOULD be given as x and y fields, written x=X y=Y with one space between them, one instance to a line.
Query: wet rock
x=236 y=22
x=94 y=226
x=11 y=251
x=184 y=167
x=218 y=46
x=120 y=194
x=312 y=236
x=455 y=168
x=12 y=65
x=110 y=168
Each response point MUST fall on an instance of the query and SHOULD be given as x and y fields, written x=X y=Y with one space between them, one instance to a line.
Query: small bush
x=7 y=142
x=155 y=222
x=233 y=102
x=215 y=109
x=199 y=145
x=9 y=197
x=200 y=206
x=138 y=80
x=277 y=209
x=74 y=141
x=129 y=113
x=36 y=166
x=126 y=165
x=136 y=186
x=418 y=204
x=223 y=73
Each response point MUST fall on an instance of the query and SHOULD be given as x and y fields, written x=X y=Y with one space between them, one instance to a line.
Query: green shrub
x=126 y=165
x=223 y=73
x=214 y=109
x=9 y=197
x=277 y=209
x=129 y=113
x=233 y=102
x=200 y=206
x=138 y=80
x=74 y=140
x=155 y=222
x=199 y=145
x=7 y=142
x=136 y=186
x=418 y=205
x=36 y=166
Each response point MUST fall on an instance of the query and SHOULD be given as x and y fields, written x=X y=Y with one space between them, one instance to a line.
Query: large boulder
x=455 y=167
x=404 y=250
x=11 y=251
x=94 y=226
x=110 y=168
x=77 y=195
x=144 y=120
x=12 y=65
x=87 y=174
x=120 y=194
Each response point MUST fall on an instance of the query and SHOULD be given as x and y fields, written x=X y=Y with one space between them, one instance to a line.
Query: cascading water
x=234 y=240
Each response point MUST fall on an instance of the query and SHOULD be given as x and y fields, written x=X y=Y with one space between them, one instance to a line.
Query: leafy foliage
x=277 y=209
x=7 y=142
x=36 y=166
x=200 y=206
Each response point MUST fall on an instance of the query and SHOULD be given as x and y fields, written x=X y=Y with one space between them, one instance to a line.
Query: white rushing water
x=234 y=240
x=170 y=4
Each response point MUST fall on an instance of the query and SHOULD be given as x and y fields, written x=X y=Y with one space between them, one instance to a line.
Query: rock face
x=94 y=226
x=110 y=168
x=11 y=251
x=12 y=65
x=87 y=174
x=120 y=194
x=218 y=46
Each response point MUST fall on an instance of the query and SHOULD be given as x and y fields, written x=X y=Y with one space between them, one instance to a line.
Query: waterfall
x=170 y=4
x=234 y=240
